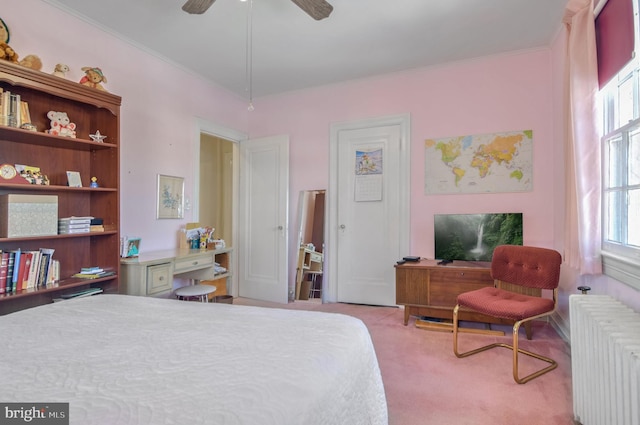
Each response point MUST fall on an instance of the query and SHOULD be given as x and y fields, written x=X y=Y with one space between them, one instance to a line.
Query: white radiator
x=605 y=361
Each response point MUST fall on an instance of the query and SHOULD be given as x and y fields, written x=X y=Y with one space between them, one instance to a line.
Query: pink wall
x=522 y=90
x=493 y=94
x=159 y=106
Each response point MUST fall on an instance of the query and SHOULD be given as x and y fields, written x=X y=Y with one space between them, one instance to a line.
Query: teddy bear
x=31 y=61
x=7 y=53
x=60 y=70
x=61 y=125
x=93 y=77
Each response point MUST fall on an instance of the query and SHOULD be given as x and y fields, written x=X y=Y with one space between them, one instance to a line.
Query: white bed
x=121 y=359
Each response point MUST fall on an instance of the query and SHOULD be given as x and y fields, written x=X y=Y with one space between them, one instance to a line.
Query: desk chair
x=526 y=271
x=200 y=292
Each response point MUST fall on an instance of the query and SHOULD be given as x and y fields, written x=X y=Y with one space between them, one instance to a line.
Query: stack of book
x=93 y=273
x=79 y=294
x=74 y=225
x=13 y=111
x=97 y=225
x=21 y=270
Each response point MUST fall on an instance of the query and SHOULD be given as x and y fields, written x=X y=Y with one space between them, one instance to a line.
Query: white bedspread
x=121 y=359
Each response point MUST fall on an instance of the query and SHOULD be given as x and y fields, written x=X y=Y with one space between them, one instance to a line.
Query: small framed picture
x=170 y=198
x=73 y=179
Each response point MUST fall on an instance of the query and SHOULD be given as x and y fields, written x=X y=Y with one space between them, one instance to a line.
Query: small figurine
x=28 y=126
x=97 y=137
x=93 y=77
x=94 y=182
x=61 y=70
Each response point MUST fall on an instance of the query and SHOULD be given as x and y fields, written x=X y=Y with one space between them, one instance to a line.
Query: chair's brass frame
x=514 y=347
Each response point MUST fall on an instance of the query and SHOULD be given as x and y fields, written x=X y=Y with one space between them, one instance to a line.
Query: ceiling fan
x=317 y=9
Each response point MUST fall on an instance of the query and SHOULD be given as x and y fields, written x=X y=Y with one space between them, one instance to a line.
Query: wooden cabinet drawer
x=193 y=262
x=445 y=285
x=159 y=278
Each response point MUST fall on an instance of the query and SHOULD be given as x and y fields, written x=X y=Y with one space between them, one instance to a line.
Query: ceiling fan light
x=197 y=7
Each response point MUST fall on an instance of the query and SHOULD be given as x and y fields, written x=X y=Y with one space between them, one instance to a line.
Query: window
x=621 y=175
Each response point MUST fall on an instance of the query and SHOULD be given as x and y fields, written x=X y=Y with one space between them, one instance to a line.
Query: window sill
x=621 y=268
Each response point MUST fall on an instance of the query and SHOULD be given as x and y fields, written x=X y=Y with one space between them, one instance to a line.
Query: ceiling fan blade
x=317 y=9
x=197 y=7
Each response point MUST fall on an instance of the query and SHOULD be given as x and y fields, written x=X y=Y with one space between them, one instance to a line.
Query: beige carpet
x=426 y=384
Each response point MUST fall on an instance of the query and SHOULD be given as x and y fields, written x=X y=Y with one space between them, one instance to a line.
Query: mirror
x=310 y=265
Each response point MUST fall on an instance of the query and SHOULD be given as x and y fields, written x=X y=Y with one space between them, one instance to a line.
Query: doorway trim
x=404 y=190
x=206 y=127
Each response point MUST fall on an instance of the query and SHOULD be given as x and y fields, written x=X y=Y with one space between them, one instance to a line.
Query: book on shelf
x=68 y=231
x=75 y=220
x=94 y=275
x=25 y=267
x=96 y=228
x=71 y=225
x=11 y=109
x=95 y=269
x=9 y=279
x=55 y=271
x=25 y=115
x=45 y=276
x=33 y=270
x=80 y=294
x=4 y=266
x=16 y=269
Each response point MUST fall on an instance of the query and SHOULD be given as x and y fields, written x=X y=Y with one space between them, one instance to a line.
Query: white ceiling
x=292 y=51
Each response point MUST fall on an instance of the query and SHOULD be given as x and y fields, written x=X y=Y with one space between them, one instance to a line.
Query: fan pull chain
x=249 y=59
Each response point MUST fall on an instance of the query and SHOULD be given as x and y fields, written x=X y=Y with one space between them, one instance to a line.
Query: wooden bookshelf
x=91 y=110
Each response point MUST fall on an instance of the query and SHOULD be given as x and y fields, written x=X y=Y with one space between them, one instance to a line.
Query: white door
x=370 y=209
x=264 y=194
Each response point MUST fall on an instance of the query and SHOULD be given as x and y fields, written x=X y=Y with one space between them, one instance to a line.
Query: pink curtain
x=582 y=220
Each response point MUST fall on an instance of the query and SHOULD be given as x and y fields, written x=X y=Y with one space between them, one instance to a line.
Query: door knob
x=342 y=227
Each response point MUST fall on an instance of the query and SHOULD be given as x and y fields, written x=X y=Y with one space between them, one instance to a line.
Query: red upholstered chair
x=526 y=271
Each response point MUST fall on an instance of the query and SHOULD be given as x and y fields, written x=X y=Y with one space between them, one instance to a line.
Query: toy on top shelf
x=4 y=32
x=93 y=77
x=7 y=53
x=60 y=70
x=31 y=61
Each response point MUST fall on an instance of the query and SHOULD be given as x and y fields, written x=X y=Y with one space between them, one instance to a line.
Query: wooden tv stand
x=425 y=288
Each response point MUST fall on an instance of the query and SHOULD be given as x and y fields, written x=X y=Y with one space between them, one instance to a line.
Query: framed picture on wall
x=170 y=197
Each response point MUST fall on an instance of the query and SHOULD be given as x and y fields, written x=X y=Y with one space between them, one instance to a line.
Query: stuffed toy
x=60 y=70
x=7 y=53
x=93 y=77
x=31 y=61
x=60 y=124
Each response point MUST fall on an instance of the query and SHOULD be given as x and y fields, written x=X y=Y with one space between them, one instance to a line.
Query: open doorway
x=216 y=186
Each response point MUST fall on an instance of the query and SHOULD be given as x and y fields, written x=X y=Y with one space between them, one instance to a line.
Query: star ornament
x=97 y=137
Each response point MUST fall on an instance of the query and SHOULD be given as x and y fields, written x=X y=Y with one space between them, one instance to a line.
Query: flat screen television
x=473 y=237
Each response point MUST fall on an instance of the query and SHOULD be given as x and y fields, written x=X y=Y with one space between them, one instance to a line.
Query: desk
x=309 y=261
x=152 y=273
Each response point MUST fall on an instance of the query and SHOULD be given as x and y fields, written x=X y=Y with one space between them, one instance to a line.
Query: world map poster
x=484 y=163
